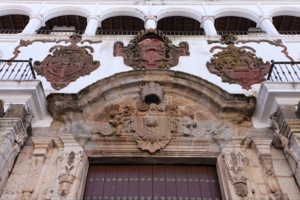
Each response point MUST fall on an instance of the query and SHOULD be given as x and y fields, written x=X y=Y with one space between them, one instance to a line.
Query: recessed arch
x=179 y=24
x=76 y=21
x=132 y=12
x=182 y=12
x=63 y=11
x=285 y=11
x=251 y=15
x=15 y=10
x=121 y=23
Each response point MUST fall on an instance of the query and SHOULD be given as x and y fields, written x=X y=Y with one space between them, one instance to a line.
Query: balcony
x=16 y=70
x=284 y=72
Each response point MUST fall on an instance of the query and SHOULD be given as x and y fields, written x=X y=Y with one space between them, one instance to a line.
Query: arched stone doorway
x=147 y=117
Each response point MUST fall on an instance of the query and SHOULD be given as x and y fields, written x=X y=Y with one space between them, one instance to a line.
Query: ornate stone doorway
x=152 y=182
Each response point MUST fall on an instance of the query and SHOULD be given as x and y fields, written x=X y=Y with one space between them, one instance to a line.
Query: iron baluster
x=277 y=74
x=17 y=72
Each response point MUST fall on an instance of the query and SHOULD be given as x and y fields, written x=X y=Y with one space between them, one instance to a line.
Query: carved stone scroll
x=67 y=63
x=151 y=49
x=237 y=65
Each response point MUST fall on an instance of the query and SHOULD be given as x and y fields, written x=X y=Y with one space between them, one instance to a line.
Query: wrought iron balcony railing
x=16 y=70
x=284 y=72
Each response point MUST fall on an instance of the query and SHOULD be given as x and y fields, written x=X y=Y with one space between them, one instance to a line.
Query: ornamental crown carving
x=151 y=49
x=236 y=64
x=67 y=63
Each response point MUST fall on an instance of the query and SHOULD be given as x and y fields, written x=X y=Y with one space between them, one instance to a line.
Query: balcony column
x=266 y=24
x=150 y=22
x=35 y=23
x=207 y=23
x=93 y=22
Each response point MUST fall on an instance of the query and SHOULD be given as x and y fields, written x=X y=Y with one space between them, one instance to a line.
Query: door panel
x=152 y=182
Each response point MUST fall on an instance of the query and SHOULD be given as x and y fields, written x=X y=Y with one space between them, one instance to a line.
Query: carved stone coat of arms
x=237 y=65
x=67 y=63
x=151 y=49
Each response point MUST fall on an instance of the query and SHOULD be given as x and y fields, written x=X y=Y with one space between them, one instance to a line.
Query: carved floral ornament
x=153 y=120
x=236 y=64
x=67 y=63
x=151 y=49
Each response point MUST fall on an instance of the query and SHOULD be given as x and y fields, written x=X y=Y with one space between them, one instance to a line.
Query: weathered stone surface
x=16 y=111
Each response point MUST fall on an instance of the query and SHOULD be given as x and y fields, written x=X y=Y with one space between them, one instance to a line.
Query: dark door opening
x=152 y=182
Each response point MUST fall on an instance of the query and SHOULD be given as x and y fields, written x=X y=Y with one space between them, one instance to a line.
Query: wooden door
x=152 y=182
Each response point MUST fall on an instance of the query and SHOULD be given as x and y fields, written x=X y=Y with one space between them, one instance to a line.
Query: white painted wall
x=195 y=64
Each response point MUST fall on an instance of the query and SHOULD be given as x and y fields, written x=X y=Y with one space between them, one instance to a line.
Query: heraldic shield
x=153 y=132
x=67 y=63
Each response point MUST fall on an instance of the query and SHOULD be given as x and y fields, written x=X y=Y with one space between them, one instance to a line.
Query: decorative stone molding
x=236 y=65
x=151 y=49
x=76 y=62
x=234 y=162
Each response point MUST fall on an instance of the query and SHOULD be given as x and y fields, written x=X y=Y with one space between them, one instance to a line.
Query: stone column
x=150 y=22
x=207 y=23
x=93 y=22
x=73 y=166
x=266 y=24
x=36 y=21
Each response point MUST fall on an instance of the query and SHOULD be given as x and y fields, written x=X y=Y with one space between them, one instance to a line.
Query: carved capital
x=151 y=17
x=265 y=17
x=205 y=18
x=42 y=146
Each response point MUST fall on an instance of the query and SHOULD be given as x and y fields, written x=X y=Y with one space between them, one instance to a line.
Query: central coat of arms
x=151 y=49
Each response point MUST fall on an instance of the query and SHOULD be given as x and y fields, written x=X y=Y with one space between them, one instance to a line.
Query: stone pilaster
x=42 y=150
x=262 y=149
x=232 y=171
x=73 y=165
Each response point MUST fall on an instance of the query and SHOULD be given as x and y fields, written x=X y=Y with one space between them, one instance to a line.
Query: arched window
x=235 y=25
x=65 y=24
x=180 y=26
x=120 y=25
